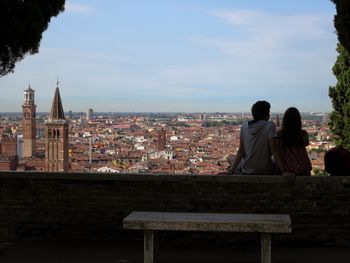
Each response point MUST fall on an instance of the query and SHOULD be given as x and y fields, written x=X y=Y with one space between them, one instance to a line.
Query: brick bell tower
x=161 y=136
x=56 y=137
x=29 y=123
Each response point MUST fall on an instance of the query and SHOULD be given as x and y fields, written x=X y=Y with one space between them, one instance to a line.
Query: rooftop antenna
x=90 y=152
x=57 y=81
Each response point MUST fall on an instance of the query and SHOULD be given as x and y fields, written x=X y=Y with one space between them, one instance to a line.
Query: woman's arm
x=275 y=153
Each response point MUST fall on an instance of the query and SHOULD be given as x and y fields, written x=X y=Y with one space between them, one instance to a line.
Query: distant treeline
x=221 y=123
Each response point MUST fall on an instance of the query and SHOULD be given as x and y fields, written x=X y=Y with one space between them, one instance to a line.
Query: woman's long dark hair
x=291 y=133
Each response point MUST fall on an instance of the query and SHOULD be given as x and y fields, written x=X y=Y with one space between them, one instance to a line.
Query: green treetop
x=340 y=96
x=342 y=22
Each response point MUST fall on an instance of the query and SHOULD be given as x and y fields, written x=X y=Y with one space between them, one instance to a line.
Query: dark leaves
x=22 y=24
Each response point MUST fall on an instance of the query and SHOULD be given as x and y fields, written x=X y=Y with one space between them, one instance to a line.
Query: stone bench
x=151 y=222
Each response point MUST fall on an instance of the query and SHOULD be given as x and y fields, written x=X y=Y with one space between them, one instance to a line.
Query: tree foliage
x=340 y=96
x=342 y=22
x=22 y=24
x=319 y=172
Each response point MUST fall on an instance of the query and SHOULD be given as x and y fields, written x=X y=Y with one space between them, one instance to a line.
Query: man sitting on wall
x=257 y=144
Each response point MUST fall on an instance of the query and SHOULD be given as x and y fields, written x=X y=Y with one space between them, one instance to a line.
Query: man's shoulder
x=270 y=125
x=267 y=124
x=245 y=125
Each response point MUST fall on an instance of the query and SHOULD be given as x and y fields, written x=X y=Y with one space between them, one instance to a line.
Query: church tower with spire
x=277 y=122
x=29 y=123
x=56 y=137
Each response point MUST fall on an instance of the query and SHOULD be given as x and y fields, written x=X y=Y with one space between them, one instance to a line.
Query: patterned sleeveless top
x=296 y=160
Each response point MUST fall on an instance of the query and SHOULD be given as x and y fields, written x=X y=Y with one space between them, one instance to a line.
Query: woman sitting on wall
x=292 y=140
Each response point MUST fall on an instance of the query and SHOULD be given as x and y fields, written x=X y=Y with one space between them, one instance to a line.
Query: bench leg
x=265 y=248
x=150 y=252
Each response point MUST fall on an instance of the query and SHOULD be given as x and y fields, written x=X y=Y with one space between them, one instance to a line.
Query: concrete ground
x=103 y=252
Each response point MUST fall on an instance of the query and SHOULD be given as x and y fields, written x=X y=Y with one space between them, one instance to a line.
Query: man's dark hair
x=337 y=161
x=260 y=110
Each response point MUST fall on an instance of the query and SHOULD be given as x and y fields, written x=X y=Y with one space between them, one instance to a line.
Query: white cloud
x=78 y=8
x=239 y=17
x=261 y=31
x=265 y=49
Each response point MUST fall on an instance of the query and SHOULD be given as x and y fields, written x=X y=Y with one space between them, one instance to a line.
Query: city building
x=56 y=137
x=278 y=125
x=29 y=123
x=8 y=152
x=8 y=162
x=161 y=135
x=70 y=114
x=89 y=114
x=20 y=146
x=8 y=144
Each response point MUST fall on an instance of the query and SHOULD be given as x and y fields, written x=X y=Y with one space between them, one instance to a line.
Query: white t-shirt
x=257 y=152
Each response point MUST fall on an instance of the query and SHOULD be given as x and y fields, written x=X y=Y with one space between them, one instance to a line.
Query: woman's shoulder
x=304 y=132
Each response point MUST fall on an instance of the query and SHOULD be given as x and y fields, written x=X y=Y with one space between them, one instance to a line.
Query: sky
x=181 y=56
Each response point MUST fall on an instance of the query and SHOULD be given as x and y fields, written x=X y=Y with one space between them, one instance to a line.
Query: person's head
x=291 y=119
x=291 y=134
x=261 y=110
x=337 y=161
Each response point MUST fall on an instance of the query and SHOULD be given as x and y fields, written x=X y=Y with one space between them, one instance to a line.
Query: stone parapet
x=90 y=206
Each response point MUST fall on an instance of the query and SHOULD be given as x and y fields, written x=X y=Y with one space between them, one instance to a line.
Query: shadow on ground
x=102 y=252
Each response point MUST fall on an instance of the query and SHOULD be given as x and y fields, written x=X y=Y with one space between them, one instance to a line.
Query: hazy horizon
x=164 y=112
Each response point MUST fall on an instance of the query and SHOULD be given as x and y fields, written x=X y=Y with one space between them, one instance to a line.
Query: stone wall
x=89 y=206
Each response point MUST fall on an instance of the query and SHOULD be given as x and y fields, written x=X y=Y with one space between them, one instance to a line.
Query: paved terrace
x=78 y=217
x=114 y=252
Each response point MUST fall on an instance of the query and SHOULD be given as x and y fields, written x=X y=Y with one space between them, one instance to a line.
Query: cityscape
x=163 y=143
